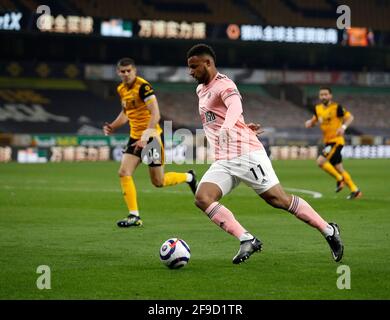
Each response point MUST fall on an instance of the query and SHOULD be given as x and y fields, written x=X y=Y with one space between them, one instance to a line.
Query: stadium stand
x=79 y=109
x=83 y=107
x=56 y=98
x=375 y=13
x=70 y=109
x=6 y=5
x=191 y=10
x=30 y=6
x=258 y=107
x=274 y=113
x=306 y=13
x=369 y=106
x=322 y=13
x=364 y=106
x=318 y=13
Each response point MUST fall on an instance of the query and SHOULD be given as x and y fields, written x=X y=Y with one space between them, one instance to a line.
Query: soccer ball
x=175 y=253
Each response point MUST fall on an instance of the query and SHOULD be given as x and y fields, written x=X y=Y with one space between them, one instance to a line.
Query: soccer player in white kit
x=240 y=156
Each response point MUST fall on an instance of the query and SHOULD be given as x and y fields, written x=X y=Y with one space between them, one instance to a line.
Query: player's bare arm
x=311 y=123
x=109 y=128
x=150 y=131
x=346 y=123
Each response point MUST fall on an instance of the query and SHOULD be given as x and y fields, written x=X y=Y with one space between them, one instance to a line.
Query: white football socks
x=134 y=212
x=329 y=231
x=190 y=177
x=246 y=236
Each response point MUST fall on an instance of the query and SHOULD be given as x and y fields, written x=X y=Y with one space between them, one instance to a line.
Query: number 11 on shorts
x=254 y=172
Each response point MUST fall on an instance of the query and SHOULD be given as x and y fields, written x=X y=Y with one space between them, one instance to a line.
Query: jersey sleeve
x=145 y=91
x=342 y=112
x=228 y=91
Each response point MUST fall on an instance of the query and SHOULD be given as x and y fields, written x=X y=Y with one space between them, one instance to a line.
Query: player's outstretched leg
x=161 y=179
x=304 y=212
x=206 y=199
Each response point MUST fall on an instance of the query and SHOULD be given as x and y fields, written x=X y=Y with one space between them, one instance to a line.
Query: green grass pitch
x=64 y=216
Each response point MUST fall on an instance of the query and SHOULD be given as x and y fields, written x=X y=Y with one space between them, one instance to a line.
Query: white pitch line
x=88 y=189
x=314 y=194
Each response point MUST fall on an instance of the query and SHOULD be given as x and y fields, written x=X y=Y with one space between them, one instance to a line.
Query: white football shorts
x=254 y=169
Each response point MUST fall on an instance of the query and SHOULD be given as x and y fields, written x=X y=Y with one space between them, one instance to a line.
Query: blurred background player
x=334 y=119
x=140 y=108
x=240 y=156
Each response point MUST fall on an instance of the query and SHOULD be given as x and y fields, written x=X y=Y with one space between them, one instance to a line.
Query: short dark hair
x=200 y=49
x=124 y=62
x=326 y=88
